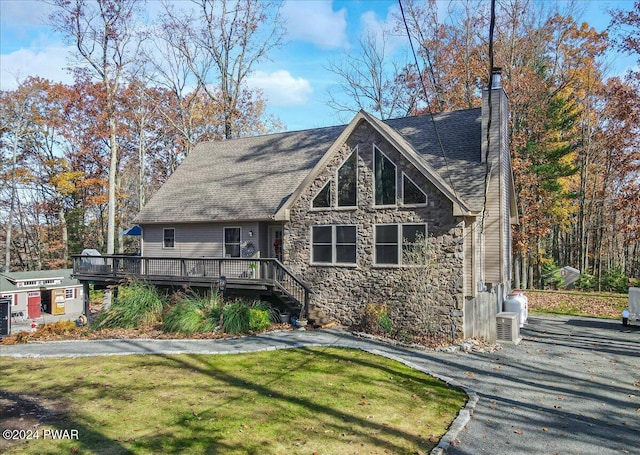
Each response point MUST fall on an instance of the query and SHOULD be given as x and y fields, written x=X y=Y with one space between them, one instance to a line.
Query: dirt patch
x=27 y=413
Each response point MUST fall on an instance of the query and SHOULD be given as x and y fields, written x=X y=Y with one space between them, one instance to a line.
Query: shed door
x=33 y=304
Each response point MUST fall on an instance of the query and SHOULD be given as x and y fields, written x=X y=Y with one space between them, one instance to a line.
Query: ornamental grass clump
x=193 y=314
x=236 y=318
x=136 y=304
x=242 y=317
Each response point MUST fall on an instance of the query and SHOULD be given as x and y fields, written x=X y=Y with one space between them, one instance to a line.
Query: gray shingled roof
x=8 y=279
x=460 y=134
x=250 y=178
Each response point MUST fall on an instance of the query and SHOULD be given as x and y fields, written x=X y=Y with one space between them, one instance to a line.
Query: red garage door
x=33 y=304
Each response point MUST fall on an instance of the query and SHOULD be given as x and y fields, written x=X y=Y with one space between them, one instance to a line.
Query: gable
x=393 y=143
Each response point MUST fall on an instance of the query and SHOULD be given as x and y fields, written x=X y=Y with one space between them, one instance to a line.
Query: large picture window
x=348 y=181
x=385 y=178
x=231 y=242
x=400 y=243
x=168 y=238
x=334 y=244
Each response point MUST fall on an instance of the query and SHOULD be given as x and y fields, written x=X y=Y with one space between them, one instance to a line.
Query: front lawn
x=320 y=400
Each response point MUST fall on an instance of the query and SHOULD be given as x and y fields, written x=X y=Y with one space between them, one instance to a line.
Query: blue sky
x=294 y=81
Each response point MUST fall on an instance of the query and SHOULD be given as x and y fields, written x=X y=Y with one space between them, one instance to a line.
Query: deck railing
x=239 y=270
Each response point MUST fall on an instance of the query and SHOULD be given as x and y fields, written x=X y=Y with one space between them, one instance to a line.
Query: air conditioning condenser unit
x=508 y=328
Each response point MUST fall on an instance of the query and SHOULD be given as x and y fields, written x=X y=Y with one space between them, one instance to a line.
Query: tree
x=221 y=41
x=108 y=41
x=15 y=128
x=371 y=80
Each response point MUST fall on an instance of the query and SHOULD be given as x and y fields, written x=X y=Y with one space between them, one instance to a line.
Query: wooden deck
x=239 y=274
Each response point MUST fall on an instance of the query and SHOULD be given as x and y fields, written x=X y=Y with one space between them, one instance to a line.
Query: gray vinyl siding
x=497 y=228
x=196 y=239
x=505 y=195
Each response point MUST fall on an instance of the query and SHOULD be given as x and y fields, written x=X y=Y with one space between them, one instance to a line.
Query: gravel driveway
x=572 y=386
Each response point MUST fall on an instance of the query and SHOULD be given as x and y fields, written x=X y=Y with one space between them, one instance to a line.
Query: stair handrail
x=297 y=281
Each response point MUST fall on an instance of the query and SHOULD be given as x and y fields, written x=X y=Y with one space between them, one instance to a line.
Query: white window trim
x=164 y=247
x=334 y=201
x=224 y=240
x=426 y=198
x=399 y=228
x=333 y=247
x=395 y=167
x=318 y=209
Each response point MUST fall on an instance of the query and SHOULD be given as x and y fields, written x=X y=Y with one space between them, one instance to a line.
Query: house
x=51 y=291
x=340 y=208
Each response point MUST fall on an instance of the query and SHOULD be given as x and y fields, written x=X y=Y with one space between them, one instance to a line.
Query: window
x=333 y=244
x=68 y=294
x=411 y=194
x=385 y=178
x=323 y=199
x=347 y=181
x=413 y=243
x=231 y=242
x=387 y=244
x=399 y=243
x=168 y=238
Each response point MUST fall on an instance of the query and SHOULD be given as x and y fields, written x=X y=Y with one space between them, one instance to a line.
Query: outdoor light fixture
x=222 y=284
x=251 y=233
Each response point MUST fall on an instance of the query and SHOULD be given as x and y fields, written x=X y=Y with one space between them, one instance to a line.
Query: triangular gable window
x=411 y=194
x=347 y=181
x=323 y=199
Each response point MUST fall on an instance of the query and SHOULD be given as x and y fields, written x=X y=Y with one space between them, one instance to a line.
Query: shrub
x=551 y=278
x=614 y=280
x=258 y=319
x=376 y=320
x=236 y=317
x=136 y=304
x=193 y=314
x=585 y=282
x=384 y=321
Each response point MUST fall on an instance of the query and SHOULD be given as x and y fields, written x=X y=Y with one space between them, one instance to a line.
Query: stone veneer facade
x=342 y=292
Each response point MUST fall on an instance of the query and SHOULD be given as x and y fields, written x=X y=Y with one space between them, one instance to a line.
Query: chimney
x=499 y=117
x=496 y=75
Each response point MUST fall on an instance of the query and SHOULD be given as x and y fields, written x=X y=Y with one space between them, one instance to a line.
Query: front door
x=275 y=242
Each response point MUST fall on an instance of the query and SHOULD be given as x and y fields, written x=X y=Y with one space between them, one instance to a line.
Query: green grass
x=299 y=401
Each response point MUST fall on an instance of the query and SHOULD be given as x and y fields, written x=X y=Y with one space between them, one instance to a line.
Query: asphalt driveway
x=572 y=386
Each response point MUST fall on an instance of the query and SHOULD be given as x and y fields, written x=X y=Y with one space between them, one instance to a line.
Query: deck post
x=86 y=298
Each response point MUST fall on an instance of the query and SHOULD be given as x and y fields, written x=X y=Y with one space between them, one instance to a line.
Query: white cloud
x=281 y=88
x=49 y=63
x=18 y=14
x=372 y=24
x=317 y=23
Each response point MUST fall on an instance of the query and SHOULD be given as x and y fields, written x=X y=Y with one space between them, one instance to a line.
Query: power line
x=424 y=89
